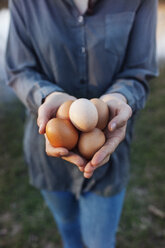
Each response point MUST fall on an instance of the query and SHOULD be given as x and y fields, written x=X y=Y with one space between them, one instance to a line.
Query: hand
x=49 y=108
x=120 y=112
x=72 y=157
x=47 y=111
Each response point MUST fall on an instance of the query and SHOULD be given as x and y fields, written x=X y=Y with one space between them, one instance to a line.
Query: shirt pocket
x=117 y=30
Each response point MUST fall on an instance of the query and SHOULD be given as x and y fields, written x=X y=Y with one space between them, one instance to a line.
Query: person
x=63 y=50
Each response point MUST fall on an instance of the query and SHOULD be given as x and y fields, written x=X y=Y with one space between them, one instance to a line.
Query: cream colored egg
x=83 y=114
x=89 y=143
x=103 y=112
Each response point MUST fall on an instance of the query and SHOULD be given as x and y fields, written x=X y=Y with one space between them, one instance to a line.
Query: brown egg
x=89 y=143
x=63 y=110
x=83 y=114
x=103 y=112
x=61 y=133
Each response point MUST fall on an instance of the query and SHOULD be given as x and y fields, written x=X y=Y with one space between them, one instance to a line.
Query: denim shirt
x=51 y=47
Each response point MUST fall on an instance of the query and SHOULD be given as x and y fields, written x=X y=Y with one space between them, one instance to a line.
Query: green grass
x=139 y=228
x=25 y=220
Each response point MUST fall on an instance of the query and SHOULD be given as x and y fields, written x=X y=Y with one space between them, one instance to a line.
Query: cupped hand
x=49 y=108
x=120 y=112
x=46 y=112
x=72 y=157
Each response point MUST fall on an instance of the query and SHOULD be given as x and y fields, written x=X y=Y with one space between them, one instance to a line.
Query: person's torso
x=80 y=53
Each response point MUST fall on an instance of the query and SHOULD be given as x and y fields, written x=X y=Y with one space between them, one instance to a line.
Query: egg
x=83 y=114
x=89 y=143
x=63 y=110
x=103 y=112
x=61 y=133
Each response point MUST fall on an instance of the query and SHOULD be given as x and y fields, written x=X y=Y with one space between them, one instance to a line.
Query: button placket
x=82 y=55
x=82 y=81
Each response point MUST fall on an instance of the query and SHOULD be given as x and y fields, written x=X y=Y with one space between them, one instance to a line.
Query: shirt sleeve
x=22 y=68
x=140 y=63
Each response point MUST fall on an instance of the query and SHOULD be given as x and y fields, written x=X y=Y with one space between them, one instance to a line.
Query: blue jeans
x=92 y=220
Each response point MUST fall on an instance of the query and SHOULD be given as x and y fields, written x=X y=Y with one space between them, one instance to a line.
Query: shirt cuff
x=39 y=92
x=136 y=100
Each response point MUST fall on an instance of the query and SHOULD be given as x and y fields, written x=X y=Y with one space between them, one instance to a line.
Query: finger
x=88 y=175
x=81 y=169
x=106 y=159
x=121 y=118
x=56 y=152
x=53 y=151
x=90 y=168
x=105 y=151
x=75 y=159
x=43 y=118
x=44 y=115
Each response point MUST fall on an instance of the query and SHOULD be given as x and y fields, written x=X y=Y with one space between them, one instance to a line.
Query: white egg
x=83 y=114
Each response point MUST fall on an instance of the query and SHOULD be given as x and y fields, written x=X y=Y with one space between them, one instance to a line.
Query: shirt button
x=80 y=19
x=82 y=81
x=83 y=50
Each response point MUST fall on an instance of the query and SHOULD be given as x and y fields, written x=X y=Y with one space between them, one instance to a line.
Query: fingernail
x=87 y=175
x=81 y=169
x=40 y=128
x=113 y=126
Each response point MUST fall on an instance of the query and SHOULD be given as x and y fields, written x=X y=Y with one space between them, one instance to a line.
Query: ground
x=24 y=218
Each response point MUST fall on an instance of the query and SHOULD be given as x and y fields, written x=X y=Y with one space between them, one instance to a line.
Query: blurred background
x=25 y=220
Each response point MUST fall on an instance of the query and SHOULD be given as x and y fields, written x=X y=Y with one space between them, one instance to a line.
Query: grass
x=25 y=220
x=139 y=228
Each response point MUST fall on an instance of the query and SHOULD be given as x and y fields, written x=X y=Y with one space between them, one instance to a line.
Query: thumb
x=121 y=119
x=44 y=115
